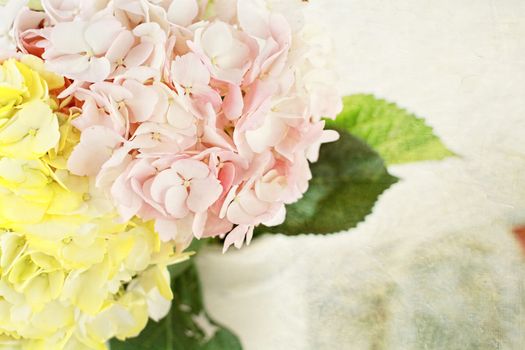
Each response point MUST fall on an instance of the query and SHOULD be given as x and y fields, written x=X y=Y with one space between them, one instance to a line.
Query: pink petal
x=233 y=103
x=179 y=231
x=189 y=71
x=183 y=12
x=150 y=32
x=235 y=58
x=99 y=69
x=175 y=201
x=95 y=148
x=101 y=34
x=237 y=215
x=27 y=37
x=217 y=137
x=313 y=150
x=120 y=156
x=289 y=145
x=227 y=201
x=143 y=102
x=138 y=55
x=140 y=170
x=180 y=117
x=232 y=76
x=268 y=135
x=68 y=64
x=115 y=166
x=139 y=74
x=252 y=205
x=162 y=182
x=134 y=7
x=121 y=46
x=280 y=29
x=91 y=116
x=167 y=229
x=217 y=39
x=329 y=136
x=204 y=95
x=257 y=103
x=203 y=193
x=191 y=169
x=226 y=176
x=271 y=191
x=145 y=193
x=199 y=223
x=215 y=226
x=253 y=19
x=278 y=218
x=127 y=201
x=236 y=237
x=249 y=236
x=115 y=91
x=226 y=9
x=68 y=37
x=79 y=67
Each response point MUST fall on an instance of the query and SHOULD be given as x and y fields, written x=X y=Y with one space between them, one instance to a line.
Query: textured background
x=435 y=266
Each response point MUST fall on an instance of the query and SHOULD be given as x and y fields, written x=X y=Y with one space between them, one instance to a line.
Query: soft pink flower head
x=201 y=116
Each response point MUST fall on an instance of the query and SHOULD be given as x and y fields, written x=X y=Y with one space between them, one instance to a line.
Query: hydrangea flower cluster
x=130 y=127
x=71 y=275
x=199 y=116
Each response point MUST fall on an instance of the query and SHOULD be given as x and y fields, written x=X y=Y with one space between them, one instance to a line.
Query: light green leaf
x=397 y=135
x=187 y=326
x=347 y=181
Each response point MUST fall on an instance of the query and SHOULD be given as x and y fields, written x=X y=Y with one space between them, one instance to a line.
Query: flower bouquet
x=134 y=131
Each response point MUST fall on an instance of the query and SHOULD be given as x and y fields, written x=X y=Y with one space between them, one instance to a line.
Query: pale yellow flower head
x=72 y=276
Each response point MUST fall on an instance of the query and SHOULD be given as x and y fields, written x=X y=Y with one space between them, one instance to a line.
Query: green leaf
x=186 y=327
x=397 y=135
x=347 y=181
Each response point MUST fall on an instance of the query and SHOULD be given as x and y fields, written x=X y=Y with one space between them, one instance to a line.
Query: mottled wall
x=436 y=266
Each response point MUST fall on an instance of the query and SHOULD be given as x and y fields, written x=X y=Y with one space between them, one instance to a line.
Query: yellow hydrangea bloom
x=28 y=126
x=71 y=275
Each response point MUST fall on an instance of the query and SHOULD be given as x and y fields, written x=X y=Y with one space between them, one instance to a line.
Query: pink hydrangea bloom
x=202 y=116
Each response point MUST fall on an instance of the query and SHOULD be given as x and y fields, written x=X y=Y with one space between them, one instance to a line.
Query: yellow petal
x=64 y=202
x=87 y=290
x=80 y=256
x=53 y=81
x=30 y=133
x=53 y=317
x=44 y=288
x=36 y=87
x=22 y=272
x=157 y=277
x=9 y=96
x=17 y=209
x=45 y=262
x=11 y=247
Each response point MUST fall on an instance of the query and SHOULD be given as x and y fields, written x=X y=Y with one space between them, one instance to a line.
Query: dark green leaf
x=181 y=330
x=397 y=135
x=347 y=180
